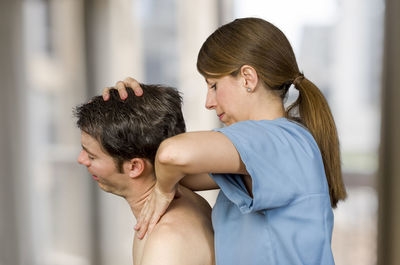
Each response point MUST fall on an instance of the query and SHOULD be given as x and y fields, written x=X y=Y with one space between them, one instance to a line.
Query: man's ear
x=250 y=77
x=134 y=167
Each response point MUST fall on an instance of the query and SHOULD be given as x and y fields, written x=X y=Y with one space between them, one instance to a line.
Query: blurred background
x=56 y=54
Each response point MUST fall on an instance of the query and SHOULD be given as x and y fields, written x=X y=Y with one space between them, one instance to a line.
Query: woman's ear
x=249 y=74
x=134 y=167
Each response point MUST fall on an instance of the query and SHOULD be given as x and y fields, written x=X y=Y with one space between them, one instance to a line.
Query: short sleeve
x=282 y=160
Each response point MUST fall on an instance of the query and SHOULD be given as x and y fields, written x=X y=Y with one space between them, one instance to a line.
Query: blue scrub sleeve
x=282 y=160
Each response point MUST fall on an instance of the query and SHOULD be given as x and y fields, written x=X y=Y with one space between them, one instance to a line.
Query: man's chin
x=112 y=190
x=104 y=187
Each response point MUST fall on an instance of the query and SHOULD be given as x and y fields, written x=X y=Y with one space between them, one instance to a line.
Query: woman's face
x=226 y=95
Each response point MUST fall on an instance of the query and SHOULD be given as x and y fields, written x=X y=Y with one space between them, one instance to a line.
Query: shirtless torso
x=183 y=236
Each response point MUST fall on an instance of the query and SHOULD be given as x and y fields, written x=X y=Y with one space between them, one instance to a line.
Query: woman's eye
x=214 y=86
x=91 y=157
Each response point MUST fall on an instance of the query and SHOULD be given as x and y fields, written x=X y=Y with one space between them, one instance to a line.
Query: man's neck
x=139 y=192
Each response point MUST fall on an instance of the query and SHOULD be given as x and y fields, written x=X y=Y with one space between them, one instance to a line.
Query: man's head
x=128 y=129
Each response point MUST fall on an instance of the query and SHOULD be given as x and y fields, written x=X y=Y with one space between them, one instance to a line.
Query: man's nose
x=83 y=158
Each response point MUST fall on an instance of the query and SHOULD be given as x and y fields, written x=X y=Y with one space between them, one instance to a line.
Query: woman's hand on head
x=154 y=208
x=121 y=86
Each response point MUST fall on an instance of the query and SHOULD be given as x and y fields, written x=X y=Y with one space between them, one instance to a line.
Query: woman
x=278 y=170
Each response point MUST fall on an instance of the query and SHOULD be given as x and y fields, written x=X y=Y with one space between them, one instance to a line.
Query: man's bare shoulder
x=166 y=245
x=183 y=235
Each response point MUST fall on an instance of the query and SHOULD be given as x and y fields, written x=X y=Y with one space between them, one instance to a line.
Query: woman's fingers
x=121 y=86
x=121 y=91
x=106 y=93
x=142 y=215
x=143 y=227
x=134 y=84
x=152 y=223
x=152 y=211
x=145 y=216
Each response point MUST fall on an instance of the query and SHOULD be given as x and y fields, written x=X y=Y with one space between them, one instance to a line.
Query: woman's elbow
x=170 y=153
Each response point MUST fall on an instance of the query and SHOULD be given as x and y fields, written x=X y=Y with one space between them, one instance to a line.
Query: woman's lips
x=220 y=116
x=95 y=177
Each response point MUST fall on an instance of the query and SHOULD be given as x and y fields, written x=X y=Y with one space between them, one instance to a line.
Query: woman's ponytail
x=314 y=113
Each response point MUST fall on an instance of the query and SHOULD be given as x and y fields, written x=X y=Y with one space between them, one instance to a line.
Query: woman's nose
x=210 y=100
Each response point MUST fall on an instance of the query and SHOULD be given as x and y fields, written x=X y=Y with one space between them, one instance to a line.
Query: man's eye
x=214 y=86
x=91 y=157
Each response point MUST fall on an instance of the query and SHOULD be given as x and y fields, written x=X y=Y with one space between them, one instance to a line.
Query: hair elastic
x=298 y=80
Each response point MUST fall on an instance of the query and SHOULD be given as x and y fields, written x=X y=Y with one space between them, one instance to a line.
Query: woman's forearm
x=169 y=164
x=195 y=153
x=199 y=182
x=168 y=176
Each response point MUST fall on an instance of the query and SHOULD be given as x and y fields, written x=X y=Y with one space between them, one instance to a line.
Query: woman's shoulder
x=281 y=127
x=265 y=124
x=284 y=134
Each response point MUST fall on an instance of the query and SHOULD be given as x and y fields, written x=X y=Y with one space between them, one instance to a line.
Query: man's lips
x=220 y=116
x=95 y=177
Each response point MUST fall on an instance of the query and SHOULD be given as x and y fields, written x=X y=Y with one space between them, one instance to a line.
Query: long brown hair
x=258 y=43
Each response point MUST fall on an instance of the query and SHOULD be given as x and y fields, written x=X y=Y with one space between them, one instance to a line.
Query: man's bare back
x=183 y=236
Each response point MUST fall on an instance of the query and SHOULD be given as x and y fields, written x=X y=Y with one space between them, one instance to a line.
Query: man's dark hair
x=134 y=127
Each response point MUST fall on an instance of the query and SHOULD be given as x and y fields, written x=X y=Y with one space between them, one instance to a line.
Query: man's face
x=101 y=165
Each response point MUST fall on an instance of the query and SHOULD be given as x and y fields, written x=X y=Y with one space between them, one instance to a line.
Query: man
x=119 y=142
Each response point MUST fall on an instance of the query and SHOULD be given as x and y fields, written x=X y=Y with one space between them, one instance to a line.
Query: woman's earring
x=248 y=89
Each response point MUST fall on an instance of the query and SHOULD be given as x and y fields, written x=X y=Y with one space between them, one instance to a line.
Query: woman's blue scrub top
x=289 y=219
